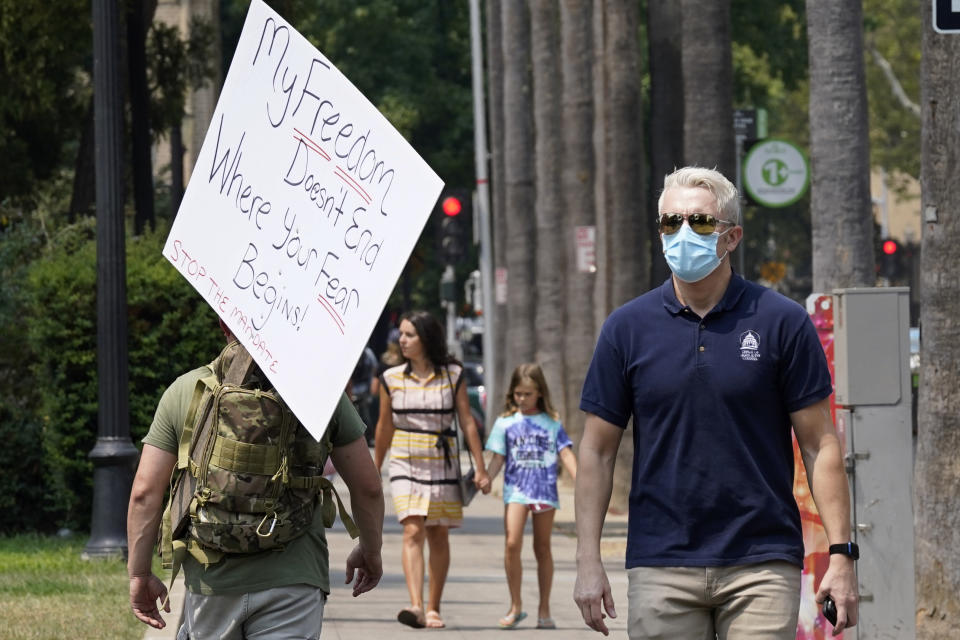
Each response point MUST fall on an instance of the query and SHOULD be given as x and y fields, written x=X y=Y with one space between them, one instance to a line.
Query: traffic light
x=454 y=208
x=891 y=259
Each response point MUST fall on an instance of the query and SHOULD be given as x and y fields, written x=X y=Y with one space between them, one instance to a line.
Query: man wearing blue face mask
x=715 y=371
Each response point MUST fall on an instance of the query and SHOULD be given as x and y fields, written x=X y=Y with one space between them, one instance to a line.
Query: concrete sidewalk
x=476 y=595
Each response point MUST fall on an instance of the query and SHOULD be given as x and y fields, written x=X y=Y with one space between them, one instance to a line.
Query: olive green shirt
x=304 y=560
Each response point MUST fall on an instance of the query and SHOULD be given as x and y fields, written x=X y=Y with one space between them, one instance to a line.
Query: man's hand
x=145 y=592
x=590 y=591
x=369 y=568
x=840 y=583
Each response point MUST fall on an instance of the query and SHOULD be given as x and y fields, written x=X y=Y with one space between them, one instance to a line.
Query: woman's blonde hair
x=530 y=371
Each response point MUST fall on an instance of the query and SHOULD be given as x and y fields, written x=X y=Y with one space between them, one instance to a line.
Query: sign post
x=302 y=211
x=748 y=124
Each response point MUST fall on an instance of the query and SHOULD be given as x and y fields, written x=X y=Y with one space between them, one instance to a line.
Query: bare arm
x=823 y=460
x=496 y=463
x=469 y=428
x=385 y=429
x=598 y=453
x=354 y=465
x=143 y=523
x=569 y=461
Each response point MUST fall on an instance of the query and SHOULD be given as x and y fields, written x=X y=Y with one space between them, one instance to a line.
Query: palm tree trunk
x=936 y=474
x=545 y=45
x=627 y=237
x=664 y=34
x=708 y=139
x=577 y=187
x=841 y=213
x=518 y=171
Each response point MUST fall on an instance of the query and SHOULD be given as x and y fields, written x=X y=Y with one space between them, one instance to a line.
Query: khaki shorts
x=758 y=601
x=294 y=612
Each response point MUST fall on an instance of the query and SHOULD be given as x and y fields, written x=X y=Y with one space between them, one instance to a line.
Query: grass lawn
x=47 y=592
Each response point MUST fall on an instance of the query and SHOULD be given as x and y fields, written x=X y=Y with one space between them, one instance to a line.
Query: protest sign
x=302 y=210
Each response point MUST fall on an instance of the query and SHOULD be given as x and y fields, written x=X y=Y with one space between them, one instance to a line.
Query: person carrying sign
x=716 y=373
x=253 y=588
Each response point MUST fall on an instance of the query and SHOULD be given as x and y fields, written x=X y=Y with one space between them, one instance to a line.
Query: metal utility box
x=871 y=345
x=872 y=378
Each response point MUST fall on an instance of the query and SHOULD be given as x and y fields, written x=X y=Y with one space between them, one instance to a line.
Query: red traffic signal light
x=451 y=206
x=890 y=247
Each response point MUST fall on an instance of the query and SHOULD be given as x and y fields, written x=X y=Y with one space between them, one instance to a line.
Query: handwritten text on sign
x=300 y=215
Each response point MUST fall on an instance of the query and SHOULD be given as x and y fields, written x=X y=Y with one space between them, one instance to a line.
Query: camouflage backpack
x=248 y=474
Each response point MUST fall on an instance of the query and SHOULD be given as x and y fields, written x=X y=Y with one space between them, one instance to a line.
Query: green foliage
x=892 y=28
x=48 y=366
x=44 y=52
x=174 y=66
x=170 y=328
x=769 y=49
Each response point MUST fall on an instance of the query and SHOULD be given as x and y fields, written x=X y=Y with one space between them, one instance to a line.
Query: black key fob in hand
x=830 y=610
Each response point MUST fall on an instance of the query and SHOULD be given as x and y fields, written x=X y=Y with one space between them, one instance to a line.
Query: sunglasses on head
x=701 y=223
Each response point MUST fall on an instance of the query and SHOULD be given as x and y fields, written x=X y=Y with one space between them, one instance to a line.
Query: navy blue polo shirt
x=710 y=398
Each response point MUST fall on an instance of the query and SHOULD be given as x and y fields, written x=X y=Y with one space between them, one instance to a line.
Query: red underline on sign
x=311 y=144
x=333 y=313
x=353 y=184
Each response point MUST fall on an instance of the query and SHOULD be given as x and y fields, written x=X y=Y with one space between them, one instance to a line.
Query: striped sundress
x=423 y=452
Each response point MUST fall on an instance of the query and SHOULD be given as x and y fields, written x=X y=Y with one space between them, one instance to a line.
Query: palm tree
x=841 y=213
x=518 y=180
x=622 y=213
x=545 y=44
x=708 y=138
x=664 y=35
x=627 y=229
x=937 y=476
x=495 y=379
x=577 y=184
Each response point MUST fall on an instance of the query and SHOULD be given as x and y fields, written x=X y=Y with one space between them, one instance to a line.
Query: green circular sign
x=776 y=173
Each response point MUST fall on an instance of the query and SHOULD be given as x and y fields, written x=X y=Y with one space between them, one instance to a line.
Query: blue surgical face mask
x=691 y=256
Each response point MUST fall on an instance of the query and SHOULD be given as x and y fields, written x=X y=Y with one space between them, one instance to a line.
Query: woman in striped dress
x=418 y=401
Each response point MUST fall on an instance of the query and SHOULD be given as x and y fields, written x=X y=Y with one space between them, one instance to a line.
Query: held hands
x=840 y=583
x=591 y=590
x=482 y=481
x=369 y=568
x=145 y=592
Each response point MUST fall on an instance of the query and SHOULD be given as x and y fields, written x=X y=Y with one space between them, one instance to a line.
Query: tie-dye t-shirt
x=530 y=445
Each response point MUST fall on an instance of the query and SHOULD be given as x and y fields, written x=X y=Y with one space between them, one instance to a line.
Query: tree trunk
x=496 y=379
x=628 y=236
x=518 y=171
x=708 y=139
x=139 y=96
x=577 y=187
x=841 y=211
x=627 y=230
x=83 y=197
x=937 y=475
x=664 y=33
x=545 y=45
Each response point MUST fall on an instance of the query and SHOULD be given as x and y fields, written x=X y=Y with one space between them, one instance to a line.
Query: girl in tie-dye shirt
x=527 y=441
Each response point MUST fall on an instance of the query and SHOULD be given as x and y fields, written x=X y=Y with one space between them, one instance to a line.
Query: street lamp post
x=114 y=455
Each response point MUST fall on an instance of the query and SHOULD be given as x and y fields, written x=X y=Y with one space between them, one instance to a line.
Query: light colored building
x=897 y=214
x=201 y=102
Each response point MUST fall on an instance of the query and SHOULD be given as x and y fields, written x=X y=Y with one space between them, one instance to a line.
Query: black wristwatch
x=849 y=549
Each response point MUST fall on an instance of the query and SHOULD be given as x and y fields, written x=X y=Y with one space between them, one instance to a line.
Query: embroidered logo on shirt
x=750 y=346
